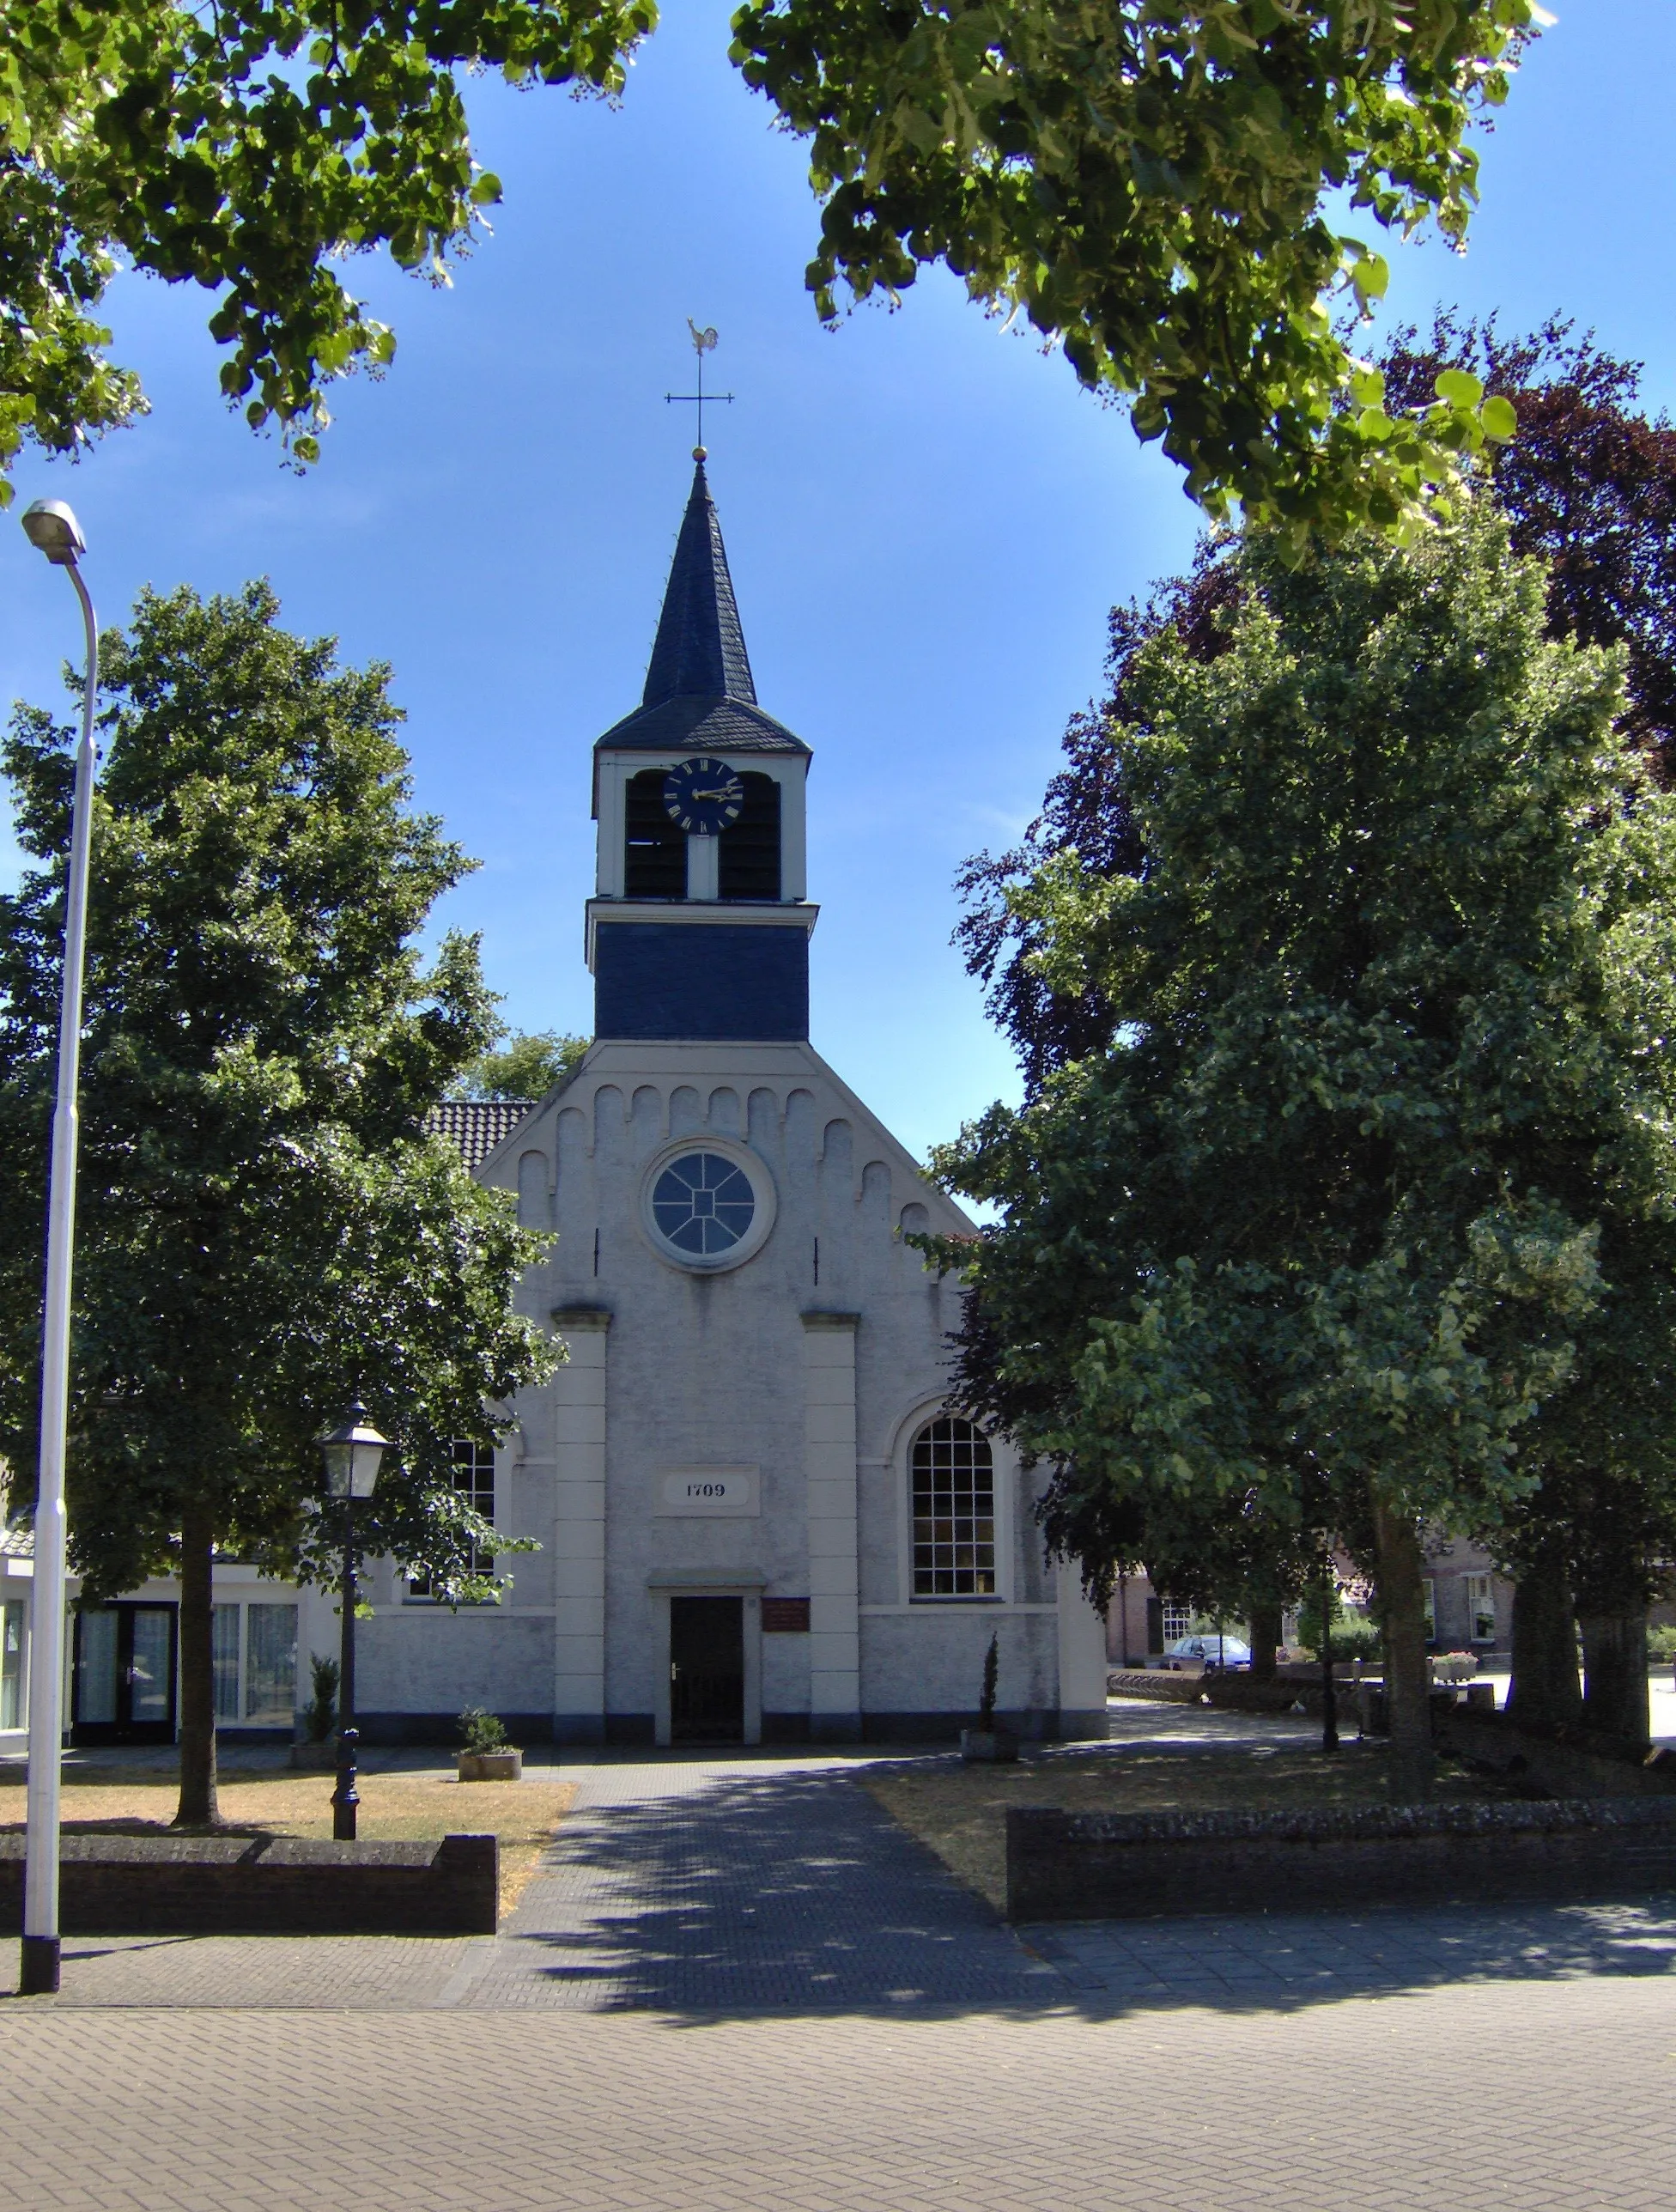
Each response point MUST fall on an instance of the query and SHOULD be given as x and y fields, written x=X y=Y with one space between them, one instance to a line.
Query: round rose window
x=703 y=1205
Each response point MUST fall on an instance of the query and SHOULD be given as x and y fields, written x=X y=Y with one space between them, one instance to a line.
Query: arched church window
x=749 y=860
x=953 y=1476
x=655 y=861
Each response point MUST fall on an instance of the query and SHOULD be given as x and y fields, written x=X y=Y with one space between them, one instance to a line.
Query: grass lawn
x=961 y=1811
x=414 y=1808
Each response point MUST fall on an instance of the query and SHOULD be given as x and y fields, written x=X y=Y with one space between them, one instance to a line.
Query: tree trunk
x=1264 y=1631
x=1615 y=1671
x=198 y=1808
x=1402 y=1605
x=1545 y=1689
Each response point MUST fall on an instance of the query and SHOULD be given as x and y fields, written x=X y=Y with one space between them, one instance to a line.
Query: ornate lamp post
x=353 y=1452
x=52 y=526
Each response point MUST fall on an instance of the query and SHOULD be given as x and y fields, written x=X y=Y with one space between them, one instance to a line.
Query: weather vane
x=703 y=342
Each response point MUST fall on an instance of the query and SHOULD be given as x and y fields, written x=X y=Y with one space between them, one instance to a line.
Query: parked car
x=1208 y=1651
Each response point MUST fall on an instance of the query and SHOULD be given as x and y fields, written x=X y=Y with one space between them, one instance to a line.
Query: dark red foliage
x=1085 y=808
x=1590 y=485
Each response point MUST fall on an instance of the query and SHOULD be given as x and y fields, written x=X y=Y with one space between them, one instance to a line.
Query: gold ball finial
x=698 y=453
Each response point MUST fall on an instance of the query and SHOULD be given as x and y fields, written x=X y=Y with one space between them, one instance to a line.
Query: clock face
x=703 y=797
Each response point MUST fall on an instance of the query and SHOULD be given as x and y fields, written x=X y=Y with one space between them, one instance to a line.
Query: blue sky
x=926 y=521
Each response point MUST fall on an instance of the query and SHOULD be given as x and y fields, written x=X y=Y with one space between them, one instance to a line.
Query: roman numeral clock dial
x=703 y=797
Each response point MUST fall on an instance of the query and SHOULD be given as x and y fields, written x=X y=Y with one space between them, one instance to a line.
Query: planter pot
x=988 y=1747
x=491 y=1766
x=315 y=1758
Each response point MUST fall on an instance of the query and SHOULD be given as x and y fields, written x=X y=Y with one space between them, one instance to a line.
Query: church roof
x=477 y=1126
x=699 y=687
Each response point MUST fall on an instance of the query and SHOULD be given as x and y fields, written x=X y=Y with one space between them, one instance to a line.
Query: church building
x=759 y=1521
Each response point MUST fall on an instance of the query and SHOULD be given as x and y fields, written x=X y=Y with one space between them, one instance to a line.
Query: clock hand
x=730 y=791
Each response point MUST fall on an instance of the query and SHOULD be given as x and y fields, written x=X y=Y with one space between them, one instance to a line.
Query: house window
x=1178 y=1621
x=954 y=1511
x=271 y=1665
x=474 y=1478
x=225 y=1624
x=1480 y=1609
x=1430 y=1588
x=253 y=1653
x=11 y=1663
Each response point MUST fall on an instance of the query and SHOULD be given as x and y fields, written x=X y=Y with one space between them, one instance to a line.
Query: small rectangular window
x=11 y=1663
x=1178 y=1621
x=1431 y=1590
x=224 y=1626
x=1480 y=1609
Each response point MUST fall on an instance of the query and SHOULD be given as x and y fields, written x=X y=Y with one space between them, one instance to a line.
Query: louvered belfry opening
x=655 y=857
x=748 y=862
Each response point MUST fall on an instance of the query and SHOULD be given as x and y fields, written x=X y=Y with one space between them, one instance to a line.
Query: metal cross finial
x=703 y=342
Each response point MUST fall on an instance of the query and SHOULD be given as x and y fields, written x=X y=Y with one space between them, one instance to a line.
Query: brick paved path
x=1544 y=2097
x=737 y=1985
x=715 y=1887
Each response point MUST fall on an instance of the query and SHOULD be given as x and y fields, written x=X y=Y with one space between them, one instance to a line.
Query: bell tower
x=699 y=927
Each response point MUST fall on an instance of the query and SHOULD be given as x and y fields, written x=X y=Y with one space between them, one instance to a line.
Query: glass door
x=124 y=1686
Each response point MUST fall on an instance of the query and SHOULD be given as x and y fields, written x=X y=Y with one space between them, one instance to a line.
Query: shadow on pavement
x=767 y=1891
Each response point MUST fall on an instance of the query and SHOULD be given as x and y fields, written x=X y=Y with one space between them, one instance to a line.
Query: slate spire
x=700 y=650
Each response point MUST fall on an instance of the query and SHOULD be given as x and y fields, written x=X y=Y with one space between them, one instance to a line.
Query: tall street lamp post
x=352 y=1451
x=50 y=525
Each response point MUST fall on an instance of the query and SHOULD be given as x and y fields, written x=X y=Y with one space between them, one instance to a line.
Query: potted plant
x=987 y=1744
x=486 y=1756
x=316 y=1750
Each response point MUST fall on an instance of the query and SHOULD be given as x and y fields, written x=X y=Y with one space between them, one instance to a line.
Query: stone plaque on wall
x=708 y=1493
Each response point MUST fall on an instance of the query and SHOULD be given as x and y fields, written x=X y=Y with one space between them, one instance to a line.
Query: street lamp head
x=51 y=524
x=352 y=1452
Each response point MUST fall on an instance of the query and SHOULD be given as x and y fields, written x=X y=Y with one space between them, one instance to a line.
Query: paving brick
x=737 y=1985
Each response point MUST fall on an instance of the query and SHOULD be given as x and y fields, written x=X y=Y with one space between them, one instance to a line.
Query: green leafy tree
x=247 y=149
x=1387 y=978
x=1588 y=487
x=523 y=1065
x=1148 y=186
x=265 y=1230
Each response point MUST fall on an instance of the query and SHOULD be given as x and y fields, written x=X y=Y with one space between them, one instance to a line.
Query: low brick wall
x=253 y=1885
x=1115 y=1866
x=1279 y=1693
x=1233 y=1689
